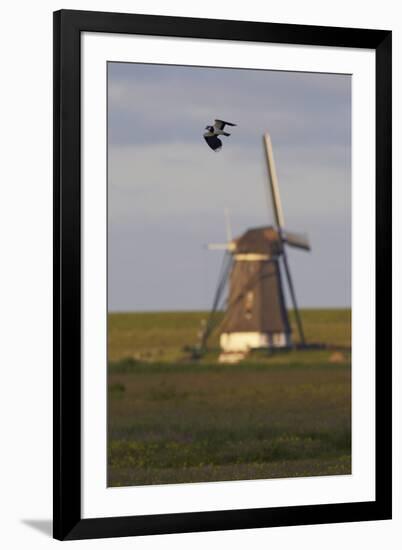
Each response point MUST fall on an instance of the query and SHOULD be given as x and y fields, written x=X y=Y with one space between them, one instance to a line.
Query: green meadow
x=172 y=419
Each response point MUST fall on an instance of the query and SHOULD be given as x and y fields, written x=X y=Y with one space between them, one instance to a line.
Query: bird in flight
x=211 y=136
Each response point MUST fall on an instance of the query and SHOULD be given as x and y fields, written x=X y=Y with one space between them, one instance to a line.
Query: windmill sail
x=273 y=180
x=287 y=238
x=296 y=240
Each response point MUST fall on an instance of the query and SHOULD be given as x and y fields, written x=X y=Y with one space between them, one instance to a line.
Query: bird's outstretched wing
x=214 y=142
x=220 y=124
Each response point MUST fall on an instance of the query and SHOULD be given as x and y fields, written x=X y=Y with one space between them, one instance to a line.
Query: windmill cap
x=259 y=240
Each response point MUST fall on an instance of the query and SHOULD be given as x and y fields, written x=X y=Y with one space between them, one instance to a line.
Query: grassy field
x=173 y=420
x=161 y=336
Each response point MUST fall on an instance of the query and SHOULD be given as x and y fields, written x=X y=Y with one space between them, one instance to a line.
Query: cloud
x=159 y=104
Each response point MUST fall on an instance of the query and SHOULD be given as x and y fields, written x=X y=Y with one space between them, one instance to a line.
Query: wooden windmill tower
x=256 y=315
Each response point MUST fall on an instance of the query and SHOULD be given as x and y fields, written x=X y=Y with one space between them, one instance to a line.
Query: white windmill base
x=236 y=345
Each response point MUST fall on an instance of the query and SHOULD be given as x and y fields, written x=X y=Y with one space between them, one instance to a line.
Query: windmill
x=254 y=263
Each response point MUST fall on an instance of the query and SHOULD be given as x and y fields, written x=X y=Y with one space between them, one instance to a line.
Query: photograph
x=228 y=274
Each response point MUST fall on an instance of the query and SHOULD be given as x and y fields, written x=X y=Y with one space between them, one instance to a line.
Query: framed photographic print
x=222 y=274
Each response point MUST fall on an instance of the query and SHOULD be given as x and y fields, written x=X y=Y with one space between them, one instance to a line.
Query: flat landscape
x=172 y=419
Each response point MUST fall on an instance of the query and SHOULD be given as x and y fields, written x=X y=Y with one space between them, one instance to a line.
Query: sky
x=167 y=191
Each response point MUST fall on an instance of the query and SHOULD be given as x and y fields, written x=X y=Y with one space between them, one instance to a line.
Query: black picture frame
x=68 y=26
